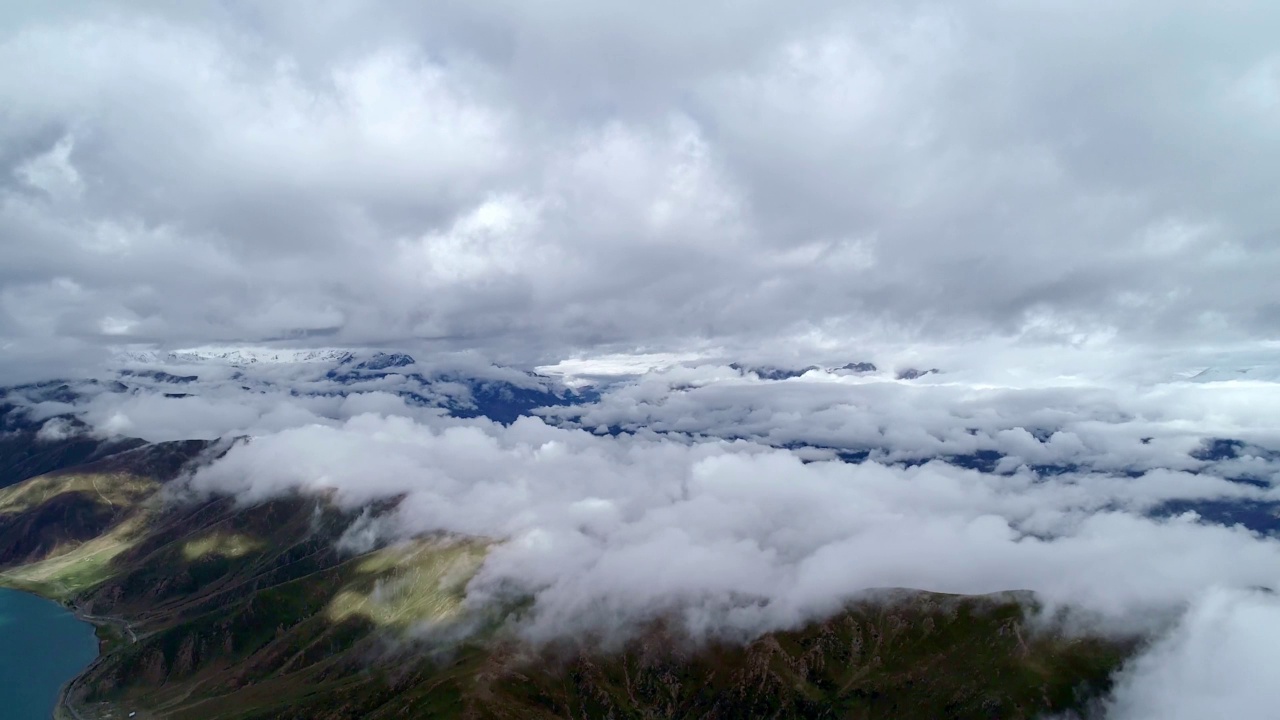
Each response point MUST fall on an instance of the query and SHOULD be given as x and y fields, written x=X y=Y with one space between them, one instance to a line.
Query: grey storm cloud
x=531 y=181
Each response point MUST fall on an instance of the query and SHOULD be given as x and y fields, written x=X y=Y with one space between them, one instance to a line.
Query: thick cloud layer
x=1107 y=426
x=735 y=537
x=530 y=181
x=1216 y=663
x=738 y=536
x=738 y=505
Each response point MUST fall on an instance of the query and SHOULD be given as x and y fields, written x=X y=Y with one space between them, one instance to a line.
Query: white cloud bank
x=1219 y=662
x=736 y=538
x=737 y=535
x=723 y=504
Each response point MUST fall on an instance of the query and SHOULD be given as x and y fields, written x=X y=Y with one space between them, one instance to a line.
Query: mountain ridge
x=207 y=609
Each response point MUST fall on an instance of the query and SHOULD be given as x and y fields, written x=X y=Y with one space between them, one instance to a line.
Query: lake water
x=42 y=646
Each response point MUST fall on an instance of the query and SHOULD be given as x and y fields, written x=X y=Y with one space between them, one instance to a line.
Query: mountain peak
x=913 y=373
x=384 y=361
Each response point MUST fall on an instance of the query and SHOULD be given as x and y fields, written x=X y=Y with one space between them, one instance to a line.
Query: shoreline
x=64 y=708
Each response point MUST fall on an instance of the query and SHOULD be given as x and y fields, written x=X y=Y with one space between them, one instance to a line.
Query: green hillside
x=208 y=610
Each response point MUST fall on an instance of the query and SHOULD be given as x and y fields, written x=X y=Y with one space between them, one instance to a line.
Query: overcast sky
x=539 y=182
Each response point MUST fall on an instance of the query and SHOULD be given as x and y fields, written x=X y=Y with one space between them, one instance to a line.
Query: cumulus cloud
x=739 y=536
x=1111 y=426
x=1215 y=663
x=489 y=176
x=56 y=429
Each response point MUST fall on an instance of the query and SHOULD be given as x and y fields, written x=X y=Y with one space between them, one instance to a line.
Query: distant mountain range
x=234 y=356
x=505 y=394
x=207 y=609
x=501 y=394
x=479 y=390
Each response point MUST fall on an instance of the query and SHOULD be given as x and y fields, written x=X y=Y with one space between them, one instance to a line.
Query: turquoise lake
x=42 y=646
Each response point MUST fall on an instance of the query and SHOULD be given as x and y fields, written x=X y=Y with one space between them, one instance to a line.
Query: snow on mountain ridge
x=234 y=356
x=1256 y=373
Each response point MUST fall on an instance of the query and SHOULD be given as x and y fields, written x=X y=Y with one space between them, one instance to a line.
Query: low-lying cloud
x=1217 y=662
x=737 y=505
x=739 y=536
x=1116 y=426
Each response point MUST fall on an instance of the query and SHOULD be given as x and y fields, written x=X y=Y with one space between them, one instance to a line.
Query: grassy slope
x=252 y=613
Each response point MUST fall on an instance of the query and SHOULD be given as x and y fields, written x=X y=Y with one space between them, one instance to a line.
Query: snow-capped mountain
x=465 y=388
x=1256 y=373
x=233 y=356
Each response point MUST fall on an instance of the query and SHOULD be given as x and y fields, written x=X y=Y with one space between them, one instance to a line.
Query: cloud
x=724 y=503
x=490 y=178
x=739 y=537
x=56 y=429
x=1060 y=205
x=1215 y=663
x=1105 y=425
x=211 y=392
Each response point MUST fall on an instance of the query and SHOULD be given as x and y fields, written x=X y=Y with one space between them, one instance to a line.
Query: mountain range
x=210 y=608
x=206 y=609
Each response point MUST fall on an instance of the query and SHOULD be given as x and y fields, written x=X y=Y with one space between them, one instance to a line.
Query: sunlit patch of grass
x=227 y=545
x=410 y=584
x=78 y=568
x=116 y=490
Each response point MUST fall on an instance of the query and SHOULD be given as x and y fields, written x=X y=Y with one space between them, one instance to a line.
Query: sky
x=539 y=183
x=1067 y=207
